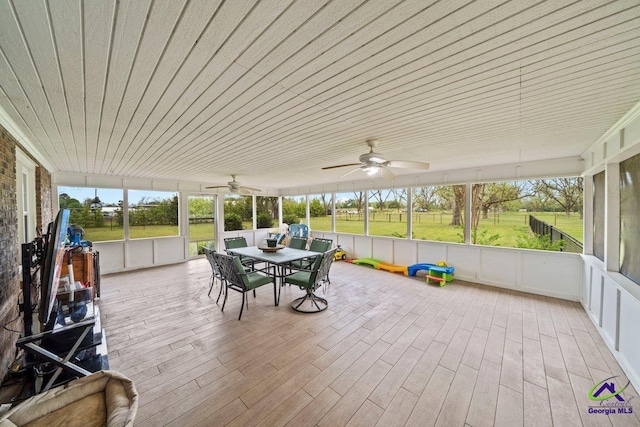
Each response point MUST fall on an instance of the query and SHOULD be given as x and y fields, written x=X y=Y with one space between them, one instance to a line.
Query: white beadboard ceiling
x=273 y=90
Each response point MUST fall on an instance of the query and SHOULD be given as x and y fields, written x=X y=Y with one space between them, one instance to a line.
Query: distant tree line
x=148 y=211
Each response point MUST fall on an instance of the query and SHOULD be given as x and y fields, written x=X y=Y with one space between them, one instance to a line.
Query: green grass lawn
x=201 y=232
x=435 y=226
x=508 y=226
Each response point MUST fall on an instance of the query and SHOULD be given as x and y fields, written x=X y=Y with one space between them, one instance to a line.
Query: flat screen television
x=53 y=259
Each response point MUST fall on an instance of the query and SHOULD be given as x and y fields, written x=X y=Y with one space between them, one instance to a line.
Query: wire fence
x=555 y=234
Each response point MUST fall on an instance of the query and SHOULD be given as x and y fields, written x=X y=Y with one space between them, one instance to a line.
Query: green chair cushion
x=251 y=280
x=319 y=246
x=300 y=278
x=255 y=280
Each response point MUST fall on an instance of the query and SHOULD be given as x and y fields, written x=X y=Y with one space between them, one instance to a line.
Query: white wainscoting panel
x=405 y=252
x=257 y=237
x=630 y=337
x=347 y=243
x=382 y=249
x=362 y=247
x=431 y=252
x=609 y=311
x=168 y=250
x=585 y=296
x=139 y=253
x=111 y=255
x=614 y=308
x=596 y=295
x=465 y=259
x=551 y=273
x=499 y=266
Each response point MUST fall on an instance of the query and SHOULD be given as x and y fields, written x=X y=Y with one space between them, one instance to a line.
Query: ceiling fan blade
x=403 y=164
x=386 y=173
x=350 y=172
x=243 y=190
x=257 y=190
x=341 y=166
x=217 y=186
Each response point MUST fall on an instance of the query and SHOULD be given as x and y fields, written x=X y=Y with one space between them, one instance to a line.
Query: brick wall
x=10 y=286
x=44 y=199
x=9 y=252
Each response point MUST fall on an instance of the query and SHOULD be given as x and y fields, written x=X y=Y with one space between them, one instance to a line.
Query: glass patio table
x=280 y=258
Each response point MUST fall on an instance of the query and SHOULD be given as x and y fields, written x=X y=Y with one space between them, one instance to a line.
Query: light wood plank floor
x=390 y=350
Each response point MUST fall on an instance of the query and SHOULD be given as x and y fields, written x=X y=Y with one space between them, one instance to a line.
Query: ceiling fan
x=373 y=163
x=235 y=187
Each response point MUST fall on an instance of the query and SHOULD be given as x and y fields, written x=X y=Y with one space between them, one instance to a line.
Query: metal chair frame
x=234 y=279
x=215 y=272
x=318 y=276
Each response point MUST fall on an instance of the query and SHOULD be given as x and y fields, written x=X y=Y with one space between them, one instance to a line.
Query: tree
x=240 y=205
x=268 y=205
x=359 y=200
x=292 y=207
x=566 y=192
x=326 y=201
x=380 y=196
x=457 y=204
x=201 y=207
x=68 y=202
x=232 y=221
x=399 y=198
x=499 y=193
x=424 y=197
x=264 y=220
x=316 y=209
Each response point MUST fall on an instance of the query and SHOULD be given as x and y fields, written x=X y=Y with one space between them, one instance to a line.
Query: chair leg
x=242 y=306
x=222 y=286
x=254 y=295
x=226 y=294
x=211 y=284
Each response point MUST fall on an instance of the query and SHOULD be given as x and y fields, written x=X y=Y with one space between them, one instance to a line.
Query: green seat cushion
x=251 y=280
x=300 y=278
x=255 y=280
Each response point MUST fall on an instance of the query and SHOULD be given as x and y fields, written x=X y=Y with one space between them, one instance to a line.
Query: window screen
x=598 y=214
x=629 y=224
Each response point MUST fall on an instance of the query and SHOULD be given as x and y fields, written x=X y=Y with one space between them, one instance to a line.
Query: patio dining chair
x=239 y=242
x=319 y=245
x=239 y=280
x=310 y=280
x=215 y=272
x=297 y=242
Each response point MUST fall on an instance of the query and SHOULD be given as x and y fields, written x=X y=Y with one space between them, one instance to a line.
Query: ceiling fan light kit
x=373 y=163
x=371 y=170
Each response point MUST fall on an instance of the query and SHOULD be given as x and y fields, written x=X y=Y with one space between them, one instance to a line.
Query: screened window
x=97 y=210
x=267 y=212
x=629 y=225
x=438 y=213
x=388 y=213
x=535 y=214
x=201 y=223
x=238 y=212
x=294 y=210
x=350 y=212
x=599 y=186
x=153 y=214
x=320 y=212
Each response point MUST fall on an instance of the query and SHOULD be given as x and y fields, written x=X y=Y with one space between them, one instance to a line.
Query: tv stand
x=63 y=363
x=72 y=344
